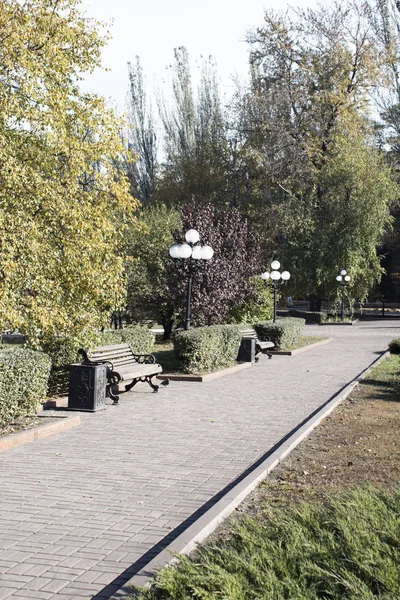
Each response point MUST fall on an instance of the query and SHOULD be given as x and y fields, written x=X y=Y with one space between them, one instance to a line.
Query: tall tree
x=63 y=204
x=152 y=288
x=196 y=164
x=306 y=116
x=142 y=136
x=225 y=282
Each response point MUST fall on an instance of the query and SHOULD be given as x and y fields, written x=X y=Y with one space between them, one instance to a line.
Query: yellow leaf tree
x=64 y=203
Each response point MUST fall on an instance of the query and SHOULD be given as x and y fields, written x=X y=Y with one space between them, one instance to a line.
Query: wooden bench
x=262 y=347
x=123 y=365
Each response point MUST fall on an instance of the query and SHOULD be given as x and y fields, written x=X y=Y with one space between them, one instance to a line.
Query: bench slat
x=111 y=356
x=248 y=333
x=124 y=361
x=139 y=371
x=111 y=348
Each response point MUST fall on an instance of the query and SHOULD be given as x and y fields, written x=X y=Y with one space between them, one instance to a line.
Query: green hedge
x=309 y=316
x=206 y=349
x=64 y=351
x=285 y=333
x=24 y=376
x=394 y=346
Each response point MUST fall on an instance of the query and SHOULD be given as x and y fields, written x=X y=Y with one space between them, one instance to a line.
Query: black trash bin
x=247 y=350
x=87 y=387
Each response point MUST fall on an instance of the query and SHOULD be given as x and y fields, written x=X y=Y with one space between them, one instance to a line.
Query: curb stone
x=340 y=323
x=300 y=350
x=206 y=376
x=209 y=521
x=38 y=433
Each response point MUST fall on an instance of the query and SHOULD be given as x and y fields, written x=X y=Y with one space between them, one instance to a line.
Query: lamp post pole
x=189 y=296
x=275 y=290
x=343 y=280
x=277 y=279
x=194 y=252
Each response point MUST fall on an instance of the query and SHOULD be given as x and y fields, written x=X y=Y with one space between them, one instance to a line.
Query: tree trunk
x=315 y=304
x=167 y=321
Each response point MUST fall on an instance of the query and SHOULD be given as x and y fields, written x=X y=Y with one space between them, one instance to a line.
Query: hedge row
x=24 y=375
x=285 y=333
x=207 y=348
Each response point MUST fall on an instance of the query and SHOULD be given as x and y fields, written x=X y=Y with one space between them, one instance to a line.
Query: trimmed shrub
x=207 y=348
x=394 y=346
x=63 y=351
x=309 y=316
x=24 y=376
x=285 y=333
x=140 y=338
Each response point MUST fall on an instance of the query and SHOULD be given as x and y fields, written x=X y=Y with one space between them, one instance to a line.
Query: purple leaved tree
x=224 y=281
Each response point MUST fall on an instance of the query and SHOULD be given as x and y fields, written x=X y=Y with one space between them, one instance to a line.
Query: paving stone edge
x=300 y=350
x=26 y=437
x=206 y=376
x=209 y=521
x=354 y=322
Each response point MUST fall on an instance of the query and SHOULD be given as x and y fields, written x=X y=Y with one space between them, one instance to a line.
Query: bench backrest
x=248 y=333
x=117 y=354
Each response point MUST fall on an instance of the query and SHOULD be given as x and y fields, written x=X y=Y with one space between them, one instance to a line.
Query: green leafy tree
x=329 y=190
x=142 y=138
x=197 y=153
x=63 y=203
x=151 y=287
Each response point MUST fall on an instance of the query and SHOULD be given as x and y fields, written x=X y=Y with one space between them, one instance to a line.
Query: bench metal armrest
x=148 y=359
x=113 y=377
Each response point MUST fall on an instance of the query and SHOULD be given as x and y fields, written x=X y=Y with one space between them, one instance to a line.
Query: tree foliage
x=142 y=138
x=63 y=203
x=307 y=116
x=222 y=287
x=196 y=165
x=151 y=286
x=301 y=151
x=225 y=281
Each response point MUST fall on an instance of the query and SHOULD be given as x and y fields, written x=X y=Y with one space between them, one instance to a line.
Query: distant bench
x=123 y=365
x=260 y=346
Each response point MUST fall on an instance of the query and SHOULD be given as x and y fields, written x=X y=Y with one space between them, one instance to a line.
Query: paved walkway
x=80 y=509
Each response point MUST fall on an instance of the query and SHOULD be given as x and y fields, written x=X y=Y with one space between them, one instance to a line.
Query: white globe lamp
x=192 y=236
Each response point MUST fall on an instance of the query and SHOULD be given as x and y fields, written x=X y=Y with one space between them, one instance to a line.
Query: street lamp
x=194 y=252
x=343 y=280
x=277 y=279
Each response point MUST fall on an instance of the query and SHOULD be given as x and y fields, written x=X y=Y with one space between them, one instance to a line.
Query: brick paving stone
x=6 y=592
x=91 y=501
x=25 y=595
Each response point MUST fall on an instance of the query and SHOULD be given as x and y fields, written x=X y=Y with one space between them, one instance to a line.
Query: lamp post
x=277 y=279
x=343 y=280
x=194 y=252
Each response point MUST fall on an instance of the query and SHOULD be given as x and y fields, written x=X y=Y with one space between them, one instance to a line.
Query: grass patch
x=325 y=524
x=347 y=549
x=166 y=357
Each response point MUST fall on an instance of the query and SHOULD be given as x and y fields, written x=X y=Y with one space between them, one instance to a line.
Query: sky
x=152 y=29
